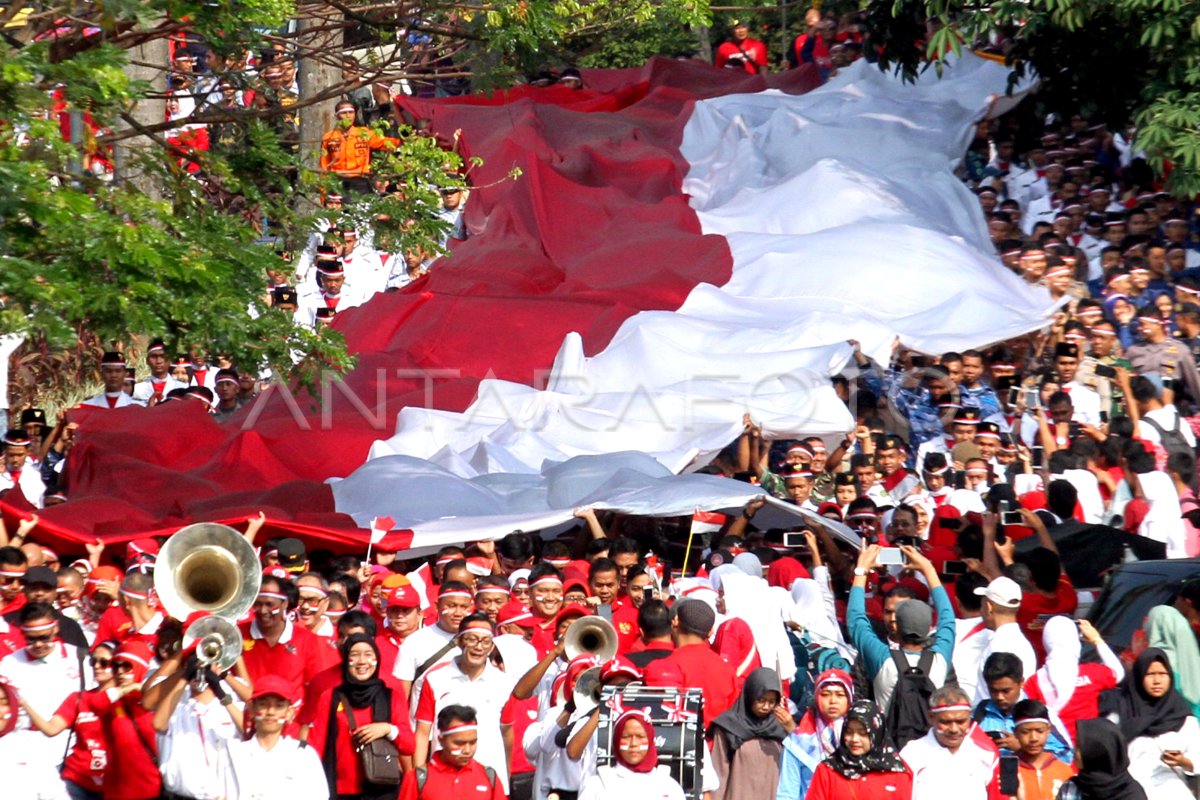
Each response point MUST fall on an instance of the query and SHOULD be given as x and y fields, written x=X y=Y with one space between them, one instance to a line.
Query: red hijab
x=651 y=760
x=783 y=572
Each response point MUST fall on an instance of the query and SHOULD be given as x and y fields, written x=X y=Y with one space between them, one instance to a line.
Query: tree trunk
x=148 y=62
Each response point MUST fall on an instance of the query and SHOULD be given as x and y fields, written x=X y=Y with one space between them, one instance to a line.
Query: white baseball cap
x=1003 y=592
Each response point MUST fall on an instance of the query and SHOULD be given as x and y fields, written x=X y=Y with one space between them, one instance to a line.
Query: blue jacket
x=993 y=719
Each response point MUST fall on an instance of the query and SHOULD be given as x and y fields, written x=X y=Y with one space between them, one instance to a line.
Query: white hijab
x=750 y=599
x=1060 y=672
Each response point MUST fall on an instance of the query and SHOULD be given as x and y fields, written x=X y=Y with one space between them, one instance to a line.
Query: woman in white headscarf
x=1069 y=689
x=750 y=599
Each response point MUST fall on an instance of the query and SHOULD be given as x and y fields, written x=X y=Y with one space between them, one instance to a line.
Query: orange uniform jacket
x=348 y=152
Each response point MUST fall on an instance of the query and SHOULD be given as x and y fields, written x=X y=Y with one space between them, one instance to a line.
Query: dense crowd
x=926 y=630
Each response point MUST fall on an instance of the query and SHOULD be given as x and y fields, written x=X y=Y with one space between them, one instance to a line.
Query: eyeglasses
x=474 y=642
x=101 y=663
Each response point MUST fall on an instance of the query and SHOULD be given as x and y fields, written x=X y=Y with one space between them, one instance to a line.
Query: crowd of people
x=926 y=630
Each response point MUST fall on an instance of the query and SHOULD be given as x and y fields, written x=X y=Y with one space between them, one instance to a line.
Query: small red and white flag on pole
x=380 y=527
x=707 y=522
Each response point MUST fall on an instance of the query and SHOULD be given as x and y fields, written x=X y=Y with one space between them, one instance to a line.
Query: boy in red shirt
x=452 y=772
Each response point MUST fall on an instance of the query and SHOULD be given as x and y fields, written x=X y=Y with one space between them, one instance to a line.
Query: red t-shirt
x=520 y=714
x=1085 y=701
x=86 y=762
x=734 y=642
x=829 y=785
x=750 y=50
x=445 y=781
x=389 y=648
x=349 y=765
x=115 y=625
x=133 y=749
x=1036 y=609
x=11 y=640
x=707 y=671
x=297 y=657
x=624 y=619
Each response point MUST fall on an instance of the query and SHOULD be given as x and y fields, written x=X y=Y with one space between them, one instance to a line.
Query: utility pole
x=317 y=35
x=148 y=62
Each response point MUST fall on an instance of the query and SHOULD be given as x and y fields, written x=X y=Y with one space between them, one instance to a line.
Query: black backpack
x=907 y=712
x=1172 y=440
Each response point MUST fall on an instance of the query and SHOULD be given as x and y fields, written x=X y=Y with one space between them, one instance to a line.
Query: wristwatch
x=859 y=572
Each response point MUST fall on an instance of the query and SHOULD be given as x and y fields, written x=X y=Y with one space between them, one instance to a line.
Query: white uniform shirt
x=447 y=685
x=143 y=390
x=966 y=772
x=101 y=401
x=288 y=771
x=191 y=752
x=30 y=481
x=552 y=768
x=44 y=684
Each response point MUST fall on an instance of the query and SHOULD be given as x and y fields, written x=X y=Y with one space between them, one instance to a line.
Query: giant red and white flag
x=683 y=245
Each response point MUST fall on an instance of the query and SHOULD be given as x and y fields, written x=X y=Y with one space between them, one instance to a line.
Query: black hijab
x=371 y=693
x=881 y=757
x=740 y=723
x=1104 y=763
x=1138 y=712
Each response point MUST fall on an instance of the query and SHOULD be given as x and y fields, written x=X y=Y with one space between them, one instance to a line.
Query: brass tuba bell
x=591 y=636
x=208 y=567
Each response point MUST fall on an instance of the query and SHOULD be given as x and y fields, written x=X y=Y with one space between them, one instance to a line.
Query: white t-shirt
x=937 y=772
x=44 y=684
x=1005 y=639
x=446 y=685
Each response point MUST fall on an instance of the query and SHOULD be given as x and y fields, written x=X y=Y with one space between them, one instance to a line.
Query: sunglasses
x=122 y=666
x=46 y=637
x=102 y=663
x=9 y=579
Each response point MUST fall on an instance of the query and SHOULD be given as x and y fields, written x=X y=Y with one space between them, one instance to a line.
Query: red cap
x=274 y=685
x=574 y=583
x=276 y=571
x=100 y=575
x=404 y=597
x=141 y=547
x=479 y=566
x=514 y=612
x=619 y=665
x=138 y=653
x=571 y=610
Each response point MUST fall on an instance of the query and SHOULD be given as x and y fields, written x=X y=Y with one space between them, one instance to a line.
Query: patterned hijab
x=881 y=757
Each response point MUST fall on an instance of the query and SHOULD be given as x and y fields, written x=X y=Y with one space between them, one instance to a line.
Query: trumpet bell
x=207 y=567
x=591 y=636
x=218 y=642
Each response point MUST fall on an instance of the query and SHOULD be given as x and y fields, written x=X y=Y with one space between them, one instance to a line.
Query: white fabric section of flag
x=845 y=221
